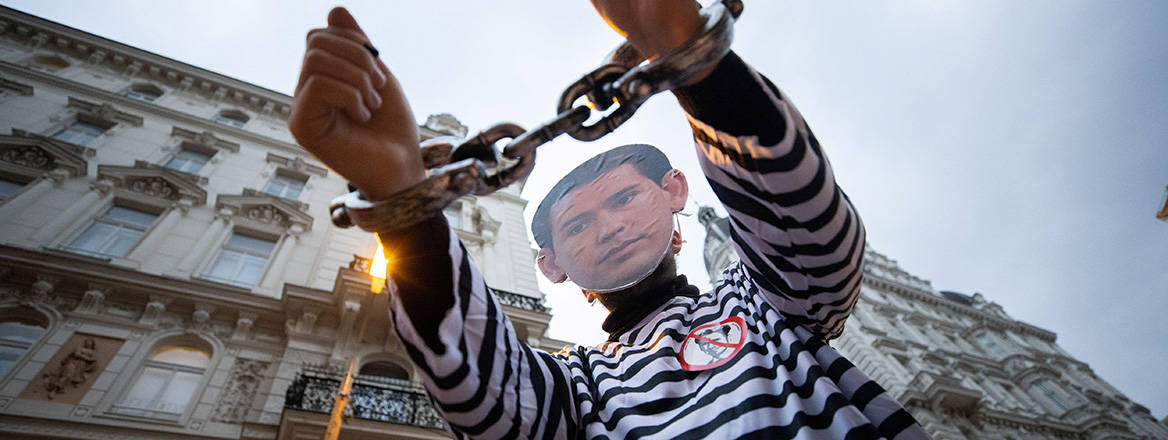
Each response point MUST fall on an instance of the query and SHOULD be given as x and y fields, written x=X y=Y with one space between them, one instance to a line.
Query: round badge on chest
x=713 y=344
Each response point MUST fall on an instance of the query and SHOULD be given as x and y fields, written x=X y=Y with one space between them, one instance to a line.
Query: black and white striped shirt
x=748 y=359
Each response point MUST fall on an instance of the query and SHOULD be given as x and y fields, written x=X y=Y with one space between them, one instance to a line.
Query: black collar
x=632 y=312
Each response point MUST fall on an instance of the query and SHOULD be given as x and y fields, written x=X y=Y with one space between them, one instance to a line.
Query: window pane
x=94 y=237
x=80 y=133
x=139 y=219
x=188 y=356
x=225 y=266
x=284 y=186
x=252 y=270
x=122 y=241
x=188 y=161
x=146 y=387
x=179 y=393
x=20 y=333
x=8 y=358
x=8 y=188
x=251 y=244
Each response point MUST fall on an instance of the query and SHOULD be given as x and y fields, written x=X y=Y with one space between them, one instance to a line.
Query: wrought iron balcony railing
x=371 y=398
x=521 y=301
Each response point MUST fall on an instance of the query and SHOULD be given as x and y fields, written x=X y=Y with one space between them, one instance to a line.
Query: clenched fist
x=350 y=112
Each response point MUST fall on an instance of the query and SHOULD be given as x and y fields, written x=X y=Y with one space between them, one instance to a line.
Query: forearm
x=487 y=383
x=795 y=230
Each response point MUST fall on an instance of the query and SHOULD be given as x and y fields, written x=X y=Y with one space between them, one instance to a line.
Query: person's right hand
x=350 y=112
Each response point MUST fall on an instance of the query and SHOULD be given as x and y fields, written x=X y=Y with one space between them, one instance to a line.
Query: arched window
x=234 y=118
x=167 y=382
x=383 y=370
x=48 y=63
x=144 y=92
x=19 y=329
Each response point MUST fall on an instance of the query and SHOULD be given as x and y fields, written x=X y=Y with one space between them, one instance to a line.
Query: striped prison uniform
x=801 y=245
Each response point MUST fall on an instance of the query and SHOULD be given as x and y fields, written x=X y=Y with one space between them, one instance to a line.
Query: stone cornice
x=36 y=153
x=137 y=62
x=68 y=266
x=175 y=115
x=916 y=294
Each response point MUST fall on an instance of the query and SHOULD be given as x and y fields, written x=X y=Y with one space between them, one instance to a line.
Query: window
x=166 y=384
x=285 y=186
x=188 y=161
x=48 y=63
x=114 y=233
x=241 y=261
x=385 y=370
x=8 y=188
x=80 y=133
x=1051 y=395
x=233 y=118
x=144 y=92
x=17 y=334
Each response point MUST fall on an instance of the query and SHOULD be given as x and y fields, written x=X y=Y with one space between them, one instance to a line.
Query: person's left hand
x=654 y=27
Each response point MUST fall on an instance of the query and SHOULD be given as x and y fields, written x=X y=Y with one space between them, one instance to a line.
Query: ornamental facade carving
x=28 y=156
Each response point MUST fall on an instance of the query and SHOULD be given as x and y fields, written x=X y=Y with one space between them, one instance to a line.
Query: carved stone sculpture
x=74 y=369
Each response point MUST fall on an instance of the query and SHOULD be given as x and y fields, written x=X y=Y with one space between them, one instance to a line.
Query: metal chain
x=475 y=166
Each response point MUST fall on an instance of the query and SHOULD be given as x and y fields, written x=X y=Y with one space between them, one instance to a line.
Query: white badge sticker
x=712 y=345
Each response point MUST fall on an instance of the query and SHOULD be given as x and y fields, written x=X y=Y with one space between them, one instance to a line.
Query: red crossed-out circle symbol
x=713 y=344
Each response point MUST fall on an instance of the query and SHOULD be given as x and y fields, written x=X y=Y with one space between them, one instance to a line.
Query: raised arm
x=351 y=113
x=797 y=234
x=485 y=381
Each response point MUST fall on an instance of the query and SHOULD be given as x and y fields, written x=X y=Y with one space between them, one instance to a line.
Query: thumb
x=340 y=17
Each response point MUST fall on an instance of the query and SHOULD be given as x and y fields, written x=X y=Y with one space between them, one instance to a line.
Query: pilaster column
x=160 y=231
x=97 y=191
x=31 y=195
x=275 y=275
x=222 y=221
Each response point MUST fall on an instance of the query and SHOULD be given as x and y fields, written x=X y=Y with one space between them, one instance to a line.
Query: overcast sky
x=1010 y=148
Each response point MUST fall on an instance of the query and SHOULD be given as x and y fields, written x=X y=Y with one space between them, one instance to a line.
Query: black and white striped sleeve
x=484 y=381
x=796 y=232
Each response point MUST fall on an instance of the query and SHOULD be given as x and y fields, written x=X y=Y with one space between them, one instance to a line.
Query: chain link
x=476 y=166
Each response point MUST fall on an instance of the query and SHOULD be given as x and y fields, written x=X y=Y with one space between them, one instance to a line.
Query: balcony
x=376 y=406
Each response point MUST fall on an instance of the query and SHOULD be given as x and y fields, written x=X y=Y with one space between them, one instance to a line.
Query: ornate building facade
x=962 y=366
x=168 y=268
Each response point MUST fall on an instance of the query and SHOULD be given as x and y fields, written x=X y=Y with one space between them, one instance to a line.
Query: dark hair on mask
x=647 y=159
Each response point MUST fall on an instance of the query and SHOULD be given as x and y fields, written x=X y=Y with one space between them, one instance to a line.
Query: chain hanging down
x=475 y=166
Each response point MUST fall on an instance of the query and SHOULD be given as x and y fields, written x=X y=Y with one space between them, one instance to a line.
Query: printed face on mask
x=613 y=231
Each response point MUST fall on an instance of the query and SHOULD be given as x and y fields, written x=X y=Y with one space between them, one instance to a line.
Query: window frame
x=24 y=314
x=187 y=148
x=141 y=91
x=67 y=245
x=280 y=174
x=205 y=273
x=105 y=128
x=110 y=405
x=231 y=118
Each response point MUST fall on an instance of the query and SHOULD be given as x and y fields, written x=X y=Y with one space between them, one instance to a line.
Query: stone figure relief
x=236 y=399
x=73 y=370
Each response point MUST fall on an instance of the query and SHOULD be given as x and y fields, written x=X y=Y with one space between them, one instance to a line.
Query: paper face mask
x=607 y=224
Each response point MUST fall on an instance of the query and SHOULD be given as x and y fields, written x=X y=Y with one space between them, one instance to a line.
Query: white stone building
x=167 y=264
x=962 y=366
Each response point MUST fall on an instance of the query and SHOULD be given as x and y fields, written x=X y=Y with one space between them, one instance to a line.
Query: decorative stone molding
x=244 y=325
x=74 y=369
x=298 y=165
x=93 y=299
x=32 y=155
x=104 y=112
x=152 y=315
x=40 y=291
x=16 y=87
x=240 y=390
x=201 y=318
x=151 y=181
x=445 y=124
x=205 y=139
x=267 y=212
